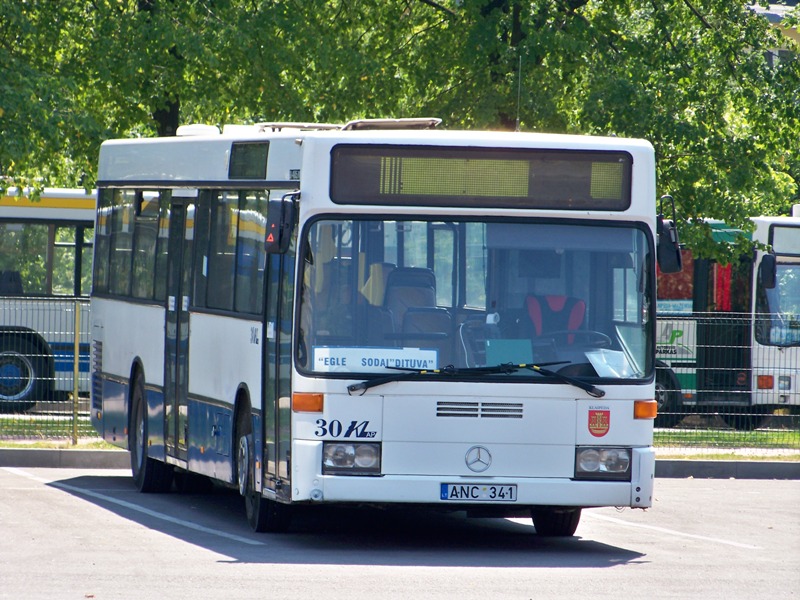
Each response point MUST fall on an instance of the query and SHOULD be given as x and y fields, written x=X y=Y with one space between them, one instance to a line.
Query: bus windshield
x=780 y=307
x=385 y=294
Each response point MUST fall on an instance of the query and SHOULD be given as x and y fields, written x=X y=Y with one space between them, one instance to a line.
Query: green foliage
x=692 y=76
x=47 y=135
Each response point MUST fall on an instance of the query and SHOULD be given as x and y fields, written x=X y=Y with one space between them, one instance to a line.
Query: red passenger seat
x=555 y=313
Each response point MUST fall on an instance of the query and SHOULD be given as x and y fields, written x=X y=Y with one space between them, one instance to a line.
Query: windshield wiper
x=406 y=374
x=593 y=391
x=506 y=368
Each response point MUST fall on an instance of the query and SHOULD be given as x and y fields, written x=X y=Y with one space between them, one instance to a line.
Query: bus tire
x=263 y=514
x=23 y=370
x=554 y=521
x=149 y=475
x=668 y=398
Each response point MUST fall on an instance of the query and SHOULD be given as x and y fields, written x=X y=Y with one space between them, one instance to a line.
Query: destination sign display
x=481 y=177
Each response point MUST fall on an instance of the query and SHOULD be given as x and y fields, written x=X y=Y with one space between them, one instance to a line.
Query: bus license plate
x=478 y=492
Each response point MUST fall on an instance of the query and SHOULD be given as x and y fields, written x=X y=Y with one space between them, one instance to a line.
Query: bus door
x=277 y=382
x=176 y=351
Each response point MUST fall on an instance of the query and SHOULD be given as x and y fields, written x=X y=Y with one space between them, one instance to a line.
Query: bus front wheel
x=263 y=514
x=149 y=475
x=553 y=521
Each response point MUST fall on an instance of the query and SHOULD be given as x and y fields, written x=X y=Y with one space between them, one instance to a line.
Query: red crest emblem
x=599 y=422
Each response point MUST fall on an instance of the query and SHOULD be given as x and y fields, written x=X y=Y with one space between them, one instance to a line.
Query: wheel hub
x=15 y=376
x=243 y=464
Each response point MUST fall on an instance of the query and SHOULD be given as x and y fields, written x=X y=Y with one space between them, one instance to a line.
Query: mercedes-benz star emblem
x=478 y=459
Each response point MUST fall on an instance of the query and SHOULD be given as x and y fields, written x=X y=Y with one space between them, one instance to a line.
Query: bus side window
x=221 y=258
x=145 y=236
x=162 y=246
x=250 y=252
x=121 y=255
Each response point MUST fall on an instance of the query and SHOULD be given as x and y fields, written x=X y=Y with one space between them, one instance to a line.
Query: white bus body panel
x=790 y=396
x=143 y=328
x=223 y=352
x=200 y=158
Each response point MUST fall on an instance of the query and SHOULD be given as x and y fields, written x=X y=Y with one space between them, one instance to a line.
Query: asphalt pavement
x=676 y=468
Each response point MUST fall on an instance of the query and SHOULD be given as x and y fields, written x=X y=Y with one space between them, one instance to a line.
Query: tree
x=692 y=76
x=47 y=135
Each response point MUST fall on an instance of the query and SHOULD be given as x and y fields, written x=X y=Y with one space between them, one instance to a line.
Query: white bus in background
x=729 y=335
x=45 y=277
x=381 y=313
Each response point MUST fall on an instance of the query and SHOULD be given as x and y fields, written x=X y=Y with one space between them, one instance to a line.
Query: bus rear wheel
x=263 y=514
x=22 y=372
x=149 y=475
x=553 y=521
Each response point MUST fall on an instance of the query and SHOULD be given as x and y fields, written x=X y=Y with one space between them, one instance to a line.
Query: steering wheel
x=588 y=337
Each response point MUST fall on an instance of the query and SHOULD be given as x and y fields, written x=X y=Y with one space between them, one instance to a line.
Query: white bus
x=379 y=313
x=45 y=276
x=728 y=338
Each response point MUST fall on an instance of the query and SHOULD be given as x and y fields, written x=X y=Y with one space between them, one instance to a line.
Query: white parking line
x=134 y=507
x=671 y=531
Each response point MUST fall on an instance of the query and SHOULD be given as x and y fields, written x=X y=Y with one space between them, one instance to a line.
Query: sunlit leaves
x=695 y=77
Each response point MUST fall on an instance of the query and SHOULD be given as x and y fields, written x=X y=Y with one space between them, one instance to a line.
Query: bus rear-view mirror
x=767 y=271
x=280 y=224
x=669 y=248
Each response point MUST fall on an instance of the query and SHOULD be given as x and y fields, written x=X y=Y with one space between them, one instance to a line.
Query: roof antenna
x=519 y=85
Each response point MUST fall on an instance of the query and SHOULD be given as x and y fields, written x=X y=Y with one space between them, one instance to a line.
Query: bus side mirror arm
x=669 y=247
x=281 y=218
x=767 y=271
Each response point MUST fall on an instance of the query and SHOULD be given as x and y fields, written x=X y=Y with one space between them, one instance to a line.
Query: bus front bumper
x=477 y=490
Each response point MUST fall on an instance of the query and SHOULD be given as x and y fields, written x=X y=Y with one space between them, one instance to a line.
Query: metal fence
x=728 y=381
x=718 y=392
x=44 y=368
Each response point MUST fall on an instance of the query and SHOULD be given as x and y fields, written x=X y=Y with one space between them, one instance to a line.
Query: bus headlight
x=603 y=463
x=351 y=458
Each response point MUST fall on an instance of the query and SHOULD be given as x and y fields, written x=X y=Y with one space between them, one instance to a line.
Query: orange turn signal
x=645 y=409
x=766 y=382
x=307 y=402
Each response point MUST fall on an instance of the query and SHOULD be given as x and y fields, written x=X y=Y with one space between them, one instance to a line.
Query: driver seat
x=555 y=313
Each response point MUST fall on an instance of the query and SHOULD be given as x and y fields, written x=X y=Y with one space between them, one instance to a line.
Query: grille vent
x=97 y=368
x=480 y=410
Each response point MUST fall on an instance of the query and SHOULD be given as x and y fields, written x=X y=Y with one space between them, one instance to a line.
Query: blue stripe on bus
x=64 y=357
